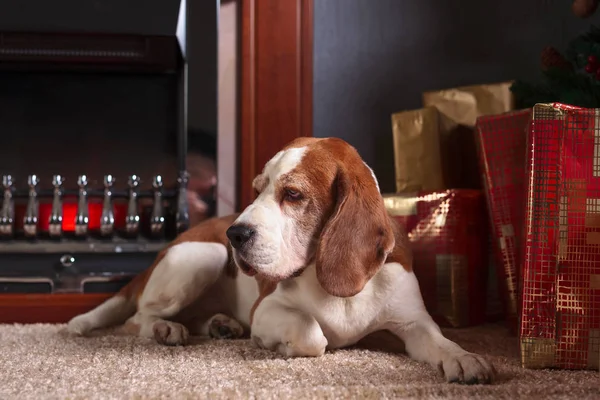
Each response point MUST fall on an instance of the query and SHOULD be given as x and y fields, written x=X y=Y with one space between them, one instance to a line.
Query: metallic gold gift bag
x=417 y=150
x=459 y=108
x=448 y=233
x=465 y=104
x=560 y=313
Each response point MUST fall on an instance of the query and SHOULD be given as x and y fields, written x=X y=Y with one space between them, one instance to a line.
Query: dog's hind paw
x=220 y=326
x=79 y=325
x=170 y=333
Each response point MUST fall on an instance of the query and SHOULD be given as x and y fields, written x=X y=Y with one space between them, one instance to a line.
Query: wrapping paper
x=560 y=317
x=501 y=142
x=448 y=232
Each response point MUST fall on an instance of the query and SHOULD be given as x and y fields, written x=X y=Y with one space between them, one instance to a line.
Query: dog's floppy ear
x=356 y=239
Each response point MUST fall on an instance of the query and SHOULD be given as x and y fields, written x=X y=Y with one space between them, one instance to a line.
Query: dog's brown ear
x=357 y=238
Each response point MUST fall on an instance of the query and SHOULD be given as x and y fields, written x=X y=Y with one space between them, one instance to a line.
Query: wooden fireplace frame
x=276 y=47
x=276 y=82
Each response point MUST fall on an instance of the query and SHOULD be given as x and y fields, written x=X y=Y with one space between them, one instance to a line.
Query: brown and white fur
x=324 y=266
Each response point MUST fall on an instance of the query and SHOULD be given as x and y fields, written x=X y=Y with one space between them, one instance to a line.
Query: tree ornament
x=584 y=8
x=590 y=68
x=551 y=58
x=593 y=60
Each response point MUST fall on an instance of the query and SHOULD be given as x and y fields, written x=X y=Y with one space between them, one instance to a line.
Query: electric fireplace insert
x=94 y=130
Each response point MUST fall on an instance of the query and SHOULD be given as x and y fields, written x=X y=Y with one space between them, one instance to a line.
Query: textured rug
x=44 y=362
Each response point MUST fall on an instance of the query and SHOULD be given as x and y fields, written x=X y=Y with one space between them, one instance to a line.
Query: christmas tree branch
x=573 y=79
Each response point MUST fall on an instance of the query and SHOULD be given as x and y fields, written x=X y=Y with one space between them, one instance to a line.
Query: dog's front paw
x=467 y=368
x=170 y=333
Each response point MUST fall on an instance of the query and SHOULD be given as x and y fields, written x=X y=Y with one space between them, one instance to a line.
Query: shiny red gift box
x=501 y=141
x=560 y=317
x=448 y=232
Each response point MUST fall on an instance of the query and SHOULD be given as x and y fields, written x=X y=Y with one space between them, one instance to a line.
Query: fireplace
x=94 y=124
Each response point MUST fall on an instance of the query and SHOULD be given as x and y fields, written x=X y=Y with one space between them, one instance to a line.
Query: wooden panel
x=46 y=308
x=276 y=82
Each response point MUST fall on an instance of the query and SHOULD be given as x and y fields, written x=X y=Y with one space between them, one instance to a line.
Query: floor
x=43 y=361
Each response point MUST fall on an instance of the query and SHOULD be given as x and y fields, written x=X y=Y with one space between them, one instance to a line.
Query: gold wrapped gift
x=434 y=147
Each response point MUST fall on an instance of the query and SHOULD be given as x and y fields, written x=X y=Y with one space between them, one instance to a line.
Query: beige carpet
x=42 y=361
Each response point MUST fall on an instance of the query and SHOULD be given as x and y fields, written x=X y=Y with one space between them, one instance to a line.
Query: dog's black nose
x=239 y=235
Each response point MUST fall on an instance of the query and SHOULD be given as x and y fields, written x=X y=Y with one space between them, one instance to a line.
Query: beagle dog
x=323 y=266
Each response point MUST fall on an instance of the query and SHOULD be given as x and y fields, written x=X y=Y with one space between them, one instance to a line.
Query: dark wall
x=375 y=57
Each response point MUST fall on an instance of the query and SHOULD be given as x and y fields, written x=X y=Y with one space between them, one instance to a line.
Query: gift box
x=501 y=141
x=448 y=232
x=560 y=316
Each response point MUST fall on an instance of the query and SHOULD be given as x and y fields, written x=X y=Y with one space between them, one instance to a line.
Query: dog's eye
x=292 y=195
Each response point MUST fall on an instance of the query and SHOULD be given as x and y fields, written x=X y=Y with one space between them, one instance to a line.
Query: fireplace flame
x=69 y=213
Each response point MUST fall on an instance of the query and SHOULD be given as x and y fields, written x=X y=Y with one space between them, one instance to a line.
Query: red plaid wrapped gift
x=560 y=317
x=448 y=231
x=501 y=141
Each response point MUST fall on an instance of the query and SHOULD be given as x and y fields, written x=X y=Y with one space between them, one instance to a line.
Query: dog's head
x=317 y=202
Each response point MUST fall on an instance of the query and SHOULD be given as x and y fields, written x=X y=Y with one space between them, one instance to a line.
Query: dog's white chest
x=344 y=321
